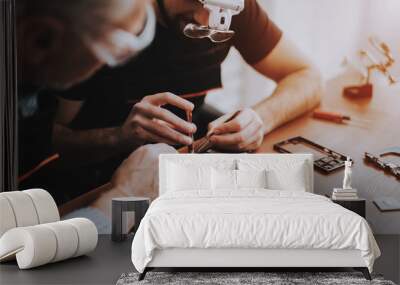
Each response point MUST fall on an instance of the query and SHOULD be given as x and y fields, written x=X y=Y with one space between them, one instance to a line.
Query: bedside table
x=357 y=205
x=120 y=207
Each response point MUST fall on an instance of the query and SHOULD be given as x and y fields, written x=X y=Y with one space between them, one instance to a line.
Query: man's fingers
x=253 y=138
x=154 y=138
x=255 y=145
x=217 y=122
x=238 y=138
x=235 y=125
x=152 y=112
x=161 y=99
x=162 y=130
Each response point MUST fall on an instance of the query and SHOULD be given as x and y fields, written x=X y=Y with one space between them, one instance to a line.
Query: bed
x=246 y=211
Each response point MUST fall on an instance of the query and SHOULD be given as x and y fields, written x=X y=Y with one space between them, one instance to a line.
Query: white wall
x=326 y=30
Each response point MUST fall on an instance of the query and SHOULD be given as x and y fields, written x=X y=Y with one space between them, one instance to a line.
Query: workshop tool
x=204 y=144
x=395 y=150
x=207 y=144
x=387 y=166
x=219 y=20
x=359 y=91
x=339 y=118
x=372 y=63
x=189 y=118
x=325 y=159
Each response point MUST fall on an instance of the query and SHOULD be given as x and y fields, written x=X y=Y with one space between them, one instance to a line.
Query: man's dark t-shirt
x=35 y=117
x=173 y=63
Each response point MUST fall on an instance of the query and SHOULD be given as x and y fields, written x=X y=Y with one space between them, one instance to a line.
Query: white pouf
x=40 y=244
x=23 y=208
x=45 y=205
x=67 y=240
x=7 y=218
x=32 y=246
x=87 y=234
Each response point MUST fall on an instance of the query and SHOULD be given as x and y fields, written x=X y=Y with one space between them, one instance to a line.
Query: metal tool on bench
x=325 y=159
x=189 y=118
x=378 y=161
x=219 y=20
x=203 y=144
x=372 y=63
x=339 y=118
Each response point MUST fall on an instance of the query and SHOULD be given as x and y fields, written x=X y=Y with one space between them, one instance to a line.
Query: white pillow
x=282 y=174
x=293 y=180
x=182 y=177
x=251 y=178
x=227 y=179
x=223 y=179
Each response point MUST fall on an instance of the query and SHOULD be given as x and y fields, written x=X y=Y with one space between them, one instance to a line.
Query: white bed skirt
x=225 y=257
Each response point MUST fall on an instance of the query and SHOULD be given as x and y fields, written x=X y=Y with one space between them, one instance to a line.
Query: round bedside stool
x=121 y=206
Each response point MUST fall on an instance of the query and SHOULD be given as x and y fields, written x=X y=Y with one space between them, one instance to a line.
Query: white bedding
x=252 y=218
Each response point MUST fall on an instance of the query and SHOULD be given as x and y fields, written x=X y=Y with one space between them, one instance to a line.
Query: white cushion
x=282 y=174
x=45 y=205
x=34 y=244
x=87 y=233
x=293 y=180
x=223 y=179
x=40 y=244
x=31 y=246
x=23 y=208
x=67 y=238
x=7 y=218
x=26 y=208
x=280 y=162
x=181 y=177
x=229 y=180
x=251 y=178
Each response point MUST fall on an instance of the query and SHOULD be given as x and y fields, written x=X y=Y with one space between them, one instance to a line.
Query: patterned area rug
x=243 y=278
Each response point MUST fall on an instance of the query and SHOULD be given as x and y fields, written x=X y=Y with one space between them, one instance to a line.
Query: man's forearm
x=90 y=146
x=295 y=94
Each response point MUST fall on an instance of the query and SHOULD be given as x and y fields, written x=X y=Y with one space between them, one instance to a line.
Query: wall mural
x=98 y=103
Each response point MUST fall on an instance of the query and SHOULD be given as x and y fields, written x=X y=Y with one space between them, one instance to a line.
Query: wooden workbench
x=383 y=112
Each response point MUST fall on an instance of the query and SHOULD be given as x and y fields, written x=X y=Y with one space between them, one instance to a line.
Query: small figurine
x=347 y=174
x=346 y=192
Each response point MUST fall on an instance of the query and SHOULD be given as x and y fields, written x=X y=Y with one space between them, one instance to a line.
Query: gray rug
x=269 y=278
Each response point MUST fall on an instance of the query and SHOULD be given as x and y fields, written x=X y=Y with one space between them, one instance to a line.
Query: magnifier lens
x=198 y=32
x=195 y=31
x=221 y=36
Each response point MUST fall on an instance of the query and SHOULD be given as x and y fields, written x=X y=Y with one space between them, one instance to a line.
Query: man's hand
x=243 y=133
x=149 y=122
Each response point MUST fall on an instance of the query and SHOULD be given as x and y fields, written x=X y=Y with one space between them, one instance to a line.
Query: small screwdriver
x=189 y=118
x=334 y=117
x=330 y=116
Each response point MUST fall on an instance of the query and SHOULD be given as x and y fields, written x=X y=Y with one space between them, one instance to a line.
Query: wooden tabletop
x=383 y=130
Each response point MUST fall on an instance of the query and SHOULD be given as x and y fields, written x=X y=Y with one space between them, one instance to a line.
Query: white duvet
x=250 y=219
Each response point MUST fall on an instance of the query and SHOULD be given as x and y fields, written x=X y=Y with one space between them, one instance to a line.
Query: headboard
x=229 y=160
